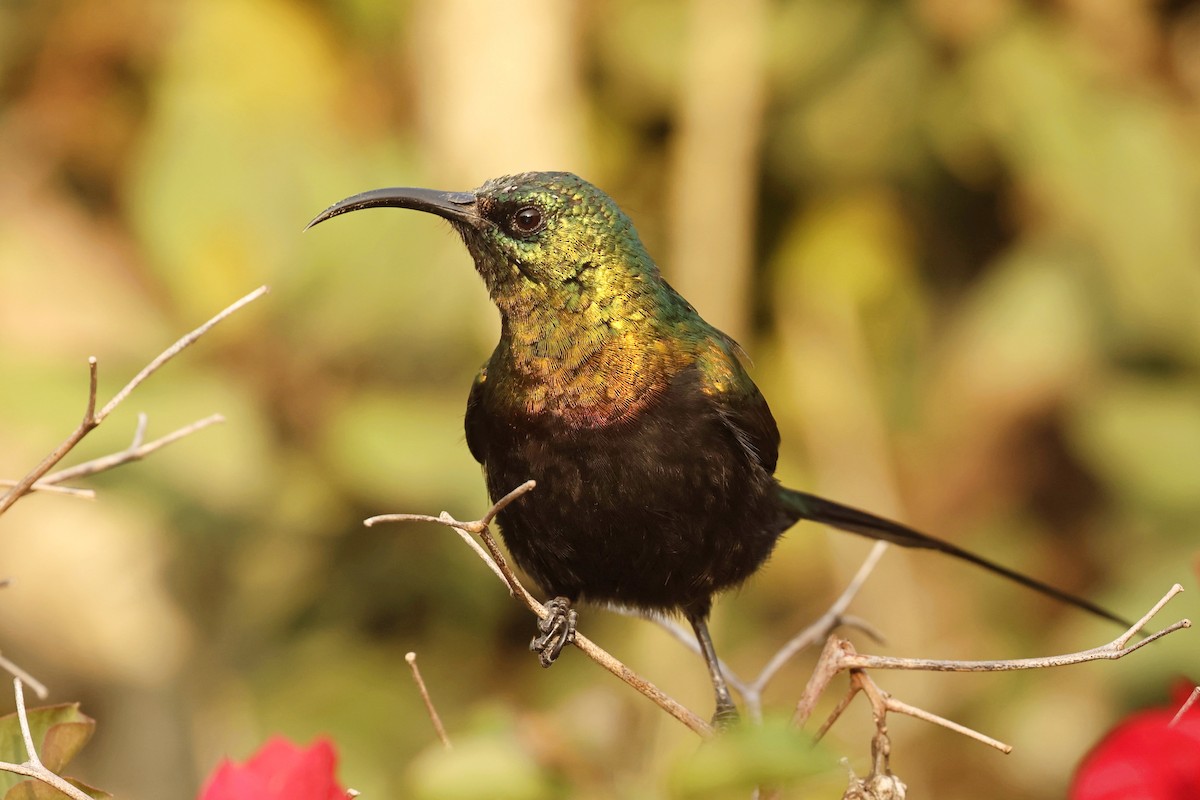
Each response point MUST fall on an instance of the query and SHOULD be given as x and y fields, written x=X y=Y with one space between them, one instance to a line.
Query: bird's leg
x=726 y=712
x=556 y=631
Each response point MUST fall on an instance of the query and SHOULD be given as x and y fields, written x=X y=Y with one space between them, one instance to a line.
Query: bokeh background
x=960 y=242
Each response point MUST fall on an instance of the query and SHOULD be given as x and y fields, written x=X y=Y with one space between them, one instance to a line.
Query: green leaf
x=748 y=756
x=59 y=732
x=30 y=789
x=491 y=767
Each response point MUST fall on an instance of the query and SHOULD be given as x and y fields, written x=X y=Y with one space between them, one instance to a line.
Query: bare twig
x=839 y=655
x=49 y=488
x=30 y=748
x=828 y=666
x=1113 y=650
x=496 y=564
x=835 y=617
x=882 y=702
x=687 y=638
x=500 y=565
x=901 y=707
x=136 y=451
x=880 y=784
x=89 y=422
x=92 y=417
x=180 y=345
x=20 y=674
x=1184 y=708
x=33 y=767
x=438 y=728
x=448 y=521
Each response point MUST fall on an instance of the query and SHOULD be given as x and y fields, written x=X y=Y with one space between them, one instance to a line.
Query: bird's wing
x=474 y=421
x=739 y=402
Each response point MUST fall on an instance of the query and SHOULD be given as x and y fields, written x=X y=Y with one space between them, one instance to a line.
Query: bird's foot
x=555 y=632
x=726 y=717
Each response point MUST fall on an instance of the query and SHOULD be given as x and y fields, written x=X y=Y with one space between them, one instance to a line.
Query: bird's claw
x=555 y=631
x=726 y=717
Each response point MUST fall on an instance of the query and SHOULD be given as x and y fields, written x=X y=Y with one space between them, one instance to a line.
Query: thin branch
x=92 y=418
x=687 y=638
x=448 y=521
x=839 y=655
x=883 y=702
x=838 y=710
x=26 y=734
x=1137 y=627
x=835 y=617
x=180 y=345
x=480 y=528
x=89 y=422
x=438 y=728
x=863 y=625
x=24 y=677
x=1184 y=708
x=49 y=488
x=880 y=783
x=33 y=767
x=1113 y=650
x=89 y=416
x=136 y=451
x=828 y=621
x=827 y=667
x=474 y=526
x=901 y=707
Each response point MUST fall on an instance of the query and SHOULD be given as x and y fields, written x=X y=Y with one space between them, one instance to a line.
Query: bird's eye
x=526 y=220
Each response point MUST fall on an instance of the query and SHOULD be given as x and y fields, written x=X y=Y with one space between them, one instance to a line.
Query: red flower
x=1145 y=758
x=278 y=771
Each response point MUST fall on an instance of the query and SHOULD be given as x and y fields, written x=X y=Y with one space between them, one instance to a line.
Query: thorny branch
x=92 y=418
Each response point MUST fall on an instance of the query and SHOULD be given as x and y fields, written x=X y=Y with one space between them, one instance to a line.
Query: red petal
x=232 y=782
x=279 y=771
x=1143 y=759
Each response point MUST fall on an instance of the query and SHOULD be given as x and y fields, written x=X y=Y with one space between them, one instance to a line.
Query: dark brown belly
x=659 y=512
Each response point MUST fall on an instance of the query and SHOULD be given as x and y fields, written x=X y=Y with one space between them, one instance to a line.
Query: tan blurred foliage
x=959 y=240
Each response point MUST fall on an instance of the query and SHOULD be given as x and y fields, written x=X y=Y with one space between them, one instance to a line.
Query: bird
x=653 y=450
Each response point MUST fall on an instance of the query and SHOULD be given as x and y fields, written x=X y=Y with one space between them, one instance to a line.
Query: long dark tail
x=818 y=509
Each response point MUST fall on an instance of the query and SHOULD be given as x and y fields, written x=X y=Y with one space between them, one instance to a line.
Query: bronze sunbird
x=653 y=450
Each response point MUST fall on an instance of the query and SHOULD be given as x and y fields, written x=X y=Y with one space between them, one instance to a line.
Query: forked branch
x=839 y=655
x=499 y=565
x=92 y=418
x=835 y=617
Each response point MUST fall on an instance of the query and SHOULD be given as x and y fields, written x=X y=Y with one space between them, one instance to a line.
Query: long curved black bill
x=455 y=206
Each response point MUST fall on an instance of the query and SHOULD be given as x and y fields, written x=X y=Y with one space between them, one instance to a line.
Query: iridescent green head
x=538 y=238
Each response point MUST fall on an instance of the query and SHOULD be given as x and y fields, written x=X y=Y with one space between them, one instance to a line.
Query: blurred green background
x=959 y=240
